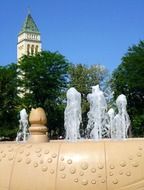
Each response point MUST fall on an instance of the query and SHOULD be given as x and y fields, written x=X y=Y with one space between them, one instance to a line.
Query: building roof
x=29 y=25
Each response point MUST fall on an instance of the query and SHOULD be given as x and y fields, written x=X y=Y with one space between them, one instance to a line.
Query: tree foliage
x=43 y=79
x=128 y=79
x=8 y=100
x=83 y=77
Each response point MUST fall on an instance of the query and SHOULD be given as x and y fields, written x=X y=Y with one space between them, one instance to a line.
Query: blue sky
x=85 y=31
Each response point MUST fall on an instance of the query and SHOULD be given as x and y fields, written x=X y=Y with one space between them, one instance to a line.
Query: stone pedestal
x=38 y=130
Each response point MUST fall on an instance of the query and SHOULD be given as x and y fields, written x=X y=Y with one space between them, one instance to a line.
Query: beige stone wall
x=83 y=165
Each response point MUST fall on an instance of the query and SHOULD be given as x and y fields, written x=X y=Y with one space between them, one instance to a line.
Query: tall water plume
x=23 y=126
x=121 y=121
x=96 y=115
x=72 y=114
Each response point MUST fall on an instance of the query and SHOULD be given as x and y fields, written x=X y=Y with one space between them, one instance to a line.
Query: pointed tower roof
x=29 y=25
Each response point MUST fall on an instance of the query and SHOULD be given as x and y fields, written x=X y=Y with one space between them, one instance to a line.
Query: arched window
x=32 y=49
x=28 y=49
x=36 y=49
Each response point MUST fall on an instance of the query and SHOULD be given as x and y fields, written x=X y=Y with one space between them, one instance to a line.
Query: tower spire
x=29 y=11
x=29 y=25
x=29 y=42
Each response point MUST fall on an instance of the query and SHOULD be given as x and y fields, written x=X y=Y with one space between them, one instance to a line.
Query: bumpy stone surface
x=103 y=165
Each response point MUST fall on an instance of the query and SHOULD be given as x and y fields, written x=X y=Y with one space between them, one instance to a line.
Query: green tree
x=8 y=101
x=83 y=78
x=42 y=81
x=128 y=79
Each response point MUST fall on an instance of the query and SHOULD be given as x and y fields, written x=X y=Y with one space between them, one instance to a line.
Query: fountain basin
x=104 y=165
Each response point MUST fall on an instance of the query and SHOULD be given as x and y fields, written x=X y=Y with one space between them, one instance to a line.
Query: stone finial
x=38 y=130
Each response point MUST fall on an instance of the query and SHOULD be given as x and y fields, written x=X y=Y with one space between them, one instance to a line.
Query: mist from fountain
x=72 y=115
x=22 y=134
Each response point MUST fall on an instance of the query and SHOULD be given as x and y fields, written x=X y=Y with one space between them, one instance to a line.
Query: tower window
x=28 y=49
x=36 y=49
x=32 y=49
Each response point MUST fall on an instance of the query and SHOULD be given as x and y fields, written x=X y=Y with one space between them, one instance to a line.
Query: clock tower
x=29 y=42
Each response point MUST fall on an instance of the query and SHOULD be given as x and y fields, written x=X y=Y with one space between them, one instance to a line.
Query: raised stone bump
x=38 y=150
x=39 y=155
x=103 y=180
x=112 y=166
x=52 y=171
x=28 y=161
x=44 y=168
x=128 y=173
x=63 y=176
x=139 y=154
x=46 y=151
x=62 y=167
x=62 y=158
x=19 y=159
x=69 y=161
x=93 y=170
x=120 y=172
x=135 y=164
x=84 y=165
x=99 y=175
x=81 y=173
x=93 y=181
x=49 y=160
x=130 y=157
x=76 y=180
x=122 y=163
x=115 y=181
x=84 y=182
x=35 y=164
x=111 y=173
x=72 y=170
x=54 y=155
x=4 y=155
x=28 y=153
x=100 y=166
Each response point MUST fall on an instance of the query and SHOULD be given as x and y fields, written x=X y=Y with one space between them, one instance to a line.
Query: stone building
x=29 y=39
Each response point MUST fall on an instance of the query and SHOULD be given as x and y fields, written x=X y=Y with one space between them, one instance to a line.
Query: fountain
x=111 y=122
x=121 y=121
x=73 y=114
x=96 y=115
x=22 y=134
x=102 y=123
x=104 y=164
